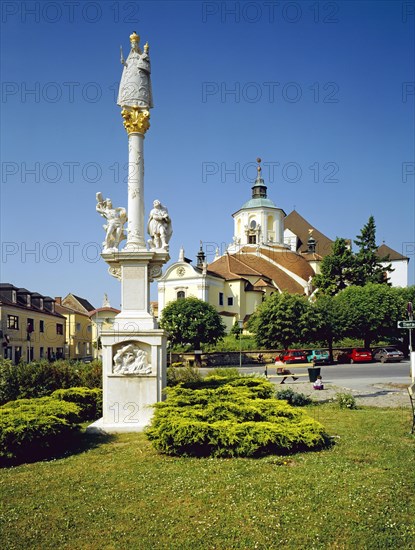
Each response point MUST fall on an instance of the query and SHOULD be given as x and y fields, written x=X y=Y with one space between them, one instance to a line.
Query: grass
x=117 y=492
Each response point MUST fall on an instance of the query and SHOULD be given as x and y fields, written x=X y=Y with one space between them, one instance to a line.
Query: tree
x=281 y=320
x=370 y=311
x=190 y=321
x=336 y=270
x=368 y=266
x=327 y=322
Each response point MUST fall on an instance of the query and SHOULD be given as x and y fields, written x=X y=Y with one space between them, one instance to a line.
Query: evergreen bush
x=29 y=428
x=88 y=400
x=346 y=401
x=41 y=378
x=183 y=375
x=293 y=398
x=231 y=420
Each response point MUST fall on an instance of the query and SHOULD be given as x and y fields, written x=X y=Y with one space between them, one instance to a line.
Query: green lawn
x=120 y=494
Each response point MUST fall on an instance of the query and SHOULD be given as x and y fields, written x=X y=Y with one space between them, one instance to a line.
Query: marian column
x=134 y=352
x=135 y=99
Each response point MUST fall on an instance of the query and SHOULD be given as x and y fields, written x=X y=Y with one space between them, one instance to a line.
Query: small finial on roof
x=181 y=254
x=259 y=169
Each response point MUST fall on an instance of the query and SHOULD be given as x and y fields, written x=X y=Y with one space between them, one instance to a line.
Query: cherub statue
x=159 y=227
x=116 y=218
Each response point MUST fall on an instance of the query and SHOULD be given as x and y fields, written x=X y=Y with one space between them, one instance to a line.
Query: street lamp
x=241 y=326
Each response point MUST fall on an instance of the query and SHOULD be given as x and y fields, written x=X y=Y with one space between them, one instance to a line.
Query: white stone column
x=135 y=236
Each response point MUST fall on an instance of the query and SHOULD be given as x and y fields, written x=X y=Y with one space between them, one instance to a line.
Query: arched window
x=180 y=294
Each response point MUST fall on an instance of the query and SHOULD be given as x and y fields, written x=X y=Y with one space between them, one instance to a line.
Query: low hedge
x=41 y=378
x=88 y=400
x=231 y=420
x=30 y=428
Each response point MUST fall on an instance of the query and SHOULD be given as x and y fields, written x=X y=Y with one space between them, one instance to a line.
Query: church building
x=270 y=252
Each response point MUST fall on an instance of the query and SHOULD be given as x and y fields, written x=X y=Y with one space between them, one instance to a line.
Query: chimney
x=58 y=300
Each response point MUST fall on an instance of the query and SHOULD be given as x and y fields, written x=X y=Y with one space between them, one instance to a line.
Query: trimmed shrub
x=41 y=378
x=29 y=428
x=346 y=401
x=230 y=421
x=293 y=398
x=88 y=400
x=183 y=375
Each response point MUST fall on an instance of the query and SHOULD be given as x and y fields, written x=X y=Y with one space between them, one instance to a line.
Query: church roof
x=289 y=260
x=273 y=266
x=385 y=250
x=300 y=227
x=259 y=203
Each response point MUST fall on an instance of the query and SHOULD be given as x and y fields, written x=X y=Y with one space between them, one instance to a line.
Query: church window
x=251 y=239
x=221 y=298
x=230 y=301
x=180 y=294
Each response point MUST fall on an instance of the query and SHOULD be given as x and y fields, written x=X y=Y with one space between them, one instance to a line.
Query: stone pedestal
x=134 y=351
x=128 y=398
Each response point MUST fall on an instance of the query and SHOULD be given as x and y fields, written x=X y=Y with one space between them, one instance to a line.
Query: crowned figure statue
x=135 y=86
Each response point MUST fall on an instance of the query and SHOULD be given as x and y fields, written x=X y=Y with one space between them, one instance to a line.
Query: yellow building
x=31 y=328
x=102 y=319
x=79 y=332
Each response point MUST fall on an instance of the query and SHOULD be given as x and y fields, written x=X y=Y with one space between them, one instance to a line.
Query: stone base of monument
x=134 y=375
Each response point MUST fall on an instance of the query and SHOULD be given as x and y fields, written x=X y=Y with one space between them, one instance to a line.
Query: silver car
x=388 y=354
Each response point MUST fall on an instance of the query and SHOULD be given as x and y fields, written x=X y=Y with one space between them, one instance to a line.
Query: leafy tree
x=327 y=322
x=192 y=321
x=369 y=311
x=368 y=266
x=281 y=320
x=336 y=269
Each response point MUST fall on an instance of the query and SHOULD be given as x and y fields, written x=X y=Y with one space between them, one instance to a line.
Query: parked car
x=318 y=356
x=360 y=355
x=388 y=353
x=292 y=356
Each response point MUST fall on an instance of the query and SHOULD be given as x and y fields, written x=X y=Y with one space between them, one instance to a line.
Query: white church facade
x=270 y=252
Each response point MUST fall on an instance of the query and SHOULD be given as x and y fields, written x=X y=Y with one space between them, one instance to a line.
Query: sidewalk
x=373 y=395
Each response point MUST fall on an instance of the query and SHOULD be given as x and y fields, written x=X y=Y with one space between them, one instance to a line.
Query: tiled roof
x=248 y=263
x=290 y=260
x=300 y=226
x=385 y=250
x=5 y=301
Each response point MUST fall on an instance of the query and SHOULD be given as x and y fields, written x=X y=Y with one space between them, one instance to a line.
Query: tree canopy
x=367 y=312
x=343 y=268
x=337 y=269
x=190 y=321
x=281 y=320
x=370 y=311
x=369 y=268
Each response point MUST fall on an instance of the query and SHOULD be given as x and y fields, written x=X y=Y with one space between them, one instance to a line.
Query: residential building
x=31 y=328
x=79 y=329
x=102 y=318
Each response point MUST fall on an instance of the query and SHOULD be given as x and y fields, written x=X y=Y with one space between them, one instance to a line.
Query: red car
x=292 y=356
x=359 y=355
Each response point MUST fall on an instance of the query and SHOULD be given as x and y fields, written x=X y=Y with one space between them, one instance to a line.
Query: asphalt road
x=356 y=376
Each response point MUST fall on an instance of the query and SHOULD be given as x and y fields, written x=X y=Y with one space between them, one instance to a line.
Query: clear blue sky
x=323 y=92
